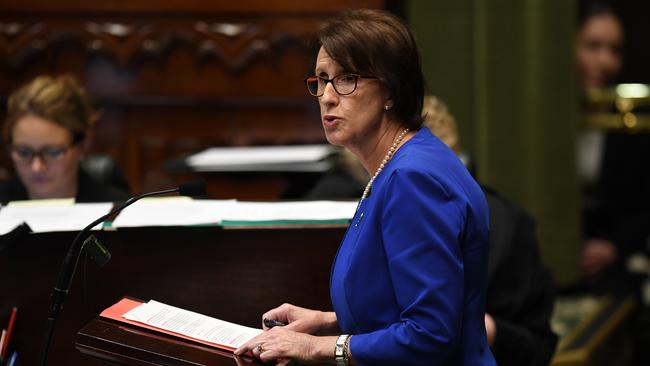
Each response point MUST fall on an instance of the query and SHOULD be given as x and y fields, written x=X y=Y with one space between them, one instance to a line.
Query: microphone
x=192 y=189
x=69 y=264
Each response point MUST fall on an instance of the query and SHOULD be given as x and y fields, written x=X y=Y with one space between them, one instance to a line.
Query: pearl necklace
x=389 y=155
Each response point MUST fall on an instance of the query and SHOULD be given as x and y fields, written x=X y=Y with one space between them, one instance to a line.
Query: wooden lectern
x=128 y=345
x=233 y=274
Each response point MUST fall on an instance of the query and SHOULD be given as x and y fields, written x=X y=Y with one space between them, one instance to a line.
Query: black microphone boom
x=69 y=265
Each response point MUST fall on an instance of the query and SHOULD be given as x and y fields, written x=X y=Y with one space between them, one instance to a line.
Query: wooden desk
x=253 y=186
x=273 y=182
x=232 y=274
x=126 y=345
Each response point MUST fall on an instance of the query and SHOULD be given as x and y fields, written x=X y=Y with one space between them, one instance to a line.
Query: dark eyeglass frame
x=316 y=78
x=48 y=155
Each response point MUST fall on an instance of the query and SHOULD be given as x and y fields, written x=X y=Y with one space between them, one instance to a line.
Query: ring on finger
x=260 y=348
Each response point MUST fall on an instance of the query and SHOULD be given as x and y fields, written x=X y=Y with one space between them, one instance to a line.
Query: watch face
x=339 y=350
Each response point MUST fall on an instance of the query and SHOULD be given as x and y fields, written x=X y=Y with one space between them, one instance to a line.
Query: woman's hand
x=283 y=345
x=245 y=361
x=490 y=329
x=303 y=320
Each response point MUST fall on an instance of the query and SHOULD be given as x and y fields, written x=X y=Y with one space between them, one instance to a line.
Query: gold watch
x=341 y=356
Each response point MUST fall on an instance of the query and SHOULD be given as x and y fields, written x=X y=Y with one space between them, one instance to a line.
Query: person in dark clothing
x=598 y=55
x=618 y=219
x=46 y=132
x=616 y=185
x=520 y=293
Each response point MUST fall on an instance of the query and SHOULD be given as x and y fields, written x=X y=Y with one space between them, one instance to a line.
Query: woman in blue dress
x=408 y=283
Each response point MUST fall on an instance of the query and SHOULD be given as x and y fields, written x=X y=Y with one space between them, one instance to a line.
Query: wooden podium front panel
x=126 y=345
x=235 y=275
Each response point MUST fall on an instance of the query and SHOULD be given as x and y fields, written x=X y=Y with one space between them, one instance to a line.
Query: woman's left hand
x=284 y=345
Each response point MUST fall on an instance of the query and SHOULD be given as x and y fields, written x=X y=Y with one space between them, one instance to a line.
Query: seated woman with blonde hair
x=46 y=132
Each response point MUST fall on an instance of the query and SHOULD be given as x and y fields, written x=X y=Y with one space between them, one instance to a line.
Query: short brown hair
x=57 y=99
x=376 y=42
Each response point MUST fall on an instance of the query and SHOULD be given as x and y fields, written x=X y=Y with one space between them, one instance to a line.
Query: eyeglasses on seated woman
x=46 y=131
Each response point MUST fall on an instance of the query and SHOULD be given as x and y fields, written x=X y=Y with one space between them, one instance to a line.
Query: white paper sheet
x=174 y=211
x=48 y=216
x=185 y=211
x=192 y=324
x=263 y=158
x=299 y=211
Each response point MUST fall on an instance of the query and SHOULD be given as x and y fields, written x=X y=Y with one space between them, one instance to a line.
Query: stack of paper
x=173 y=211
x=298 y=158
x=51 y=215
x=307 y=212
x=185 y=212
x=59 y=215
x=182 y=323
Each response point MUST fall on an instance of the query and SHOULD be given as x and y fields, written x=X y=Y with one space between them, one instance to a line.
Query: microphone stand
x=69 y=266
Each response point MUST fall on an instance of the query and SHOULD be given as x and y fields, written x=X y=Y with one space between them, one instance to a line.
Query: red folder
x=123 y=306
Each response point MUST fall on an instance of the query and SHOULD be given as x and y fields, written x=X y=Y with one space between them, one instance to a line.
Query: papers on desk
x=51 y=215
x=180 y=322
x=308 y=212
x=298 y=158
x=186 y=212
x=175 y=211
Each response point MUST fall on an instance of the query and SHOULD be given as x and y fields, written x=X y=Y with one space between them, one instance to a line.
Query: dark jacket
x=520 y=292
x=88 y=190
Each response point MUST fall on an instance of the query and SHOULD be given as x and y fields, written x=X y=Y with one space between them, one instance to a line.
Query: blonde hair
x=57 y=99
x=441 y=123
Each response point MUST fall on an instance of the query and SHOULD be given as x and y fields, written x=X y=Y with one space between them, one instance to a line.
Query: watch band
x=339 y=351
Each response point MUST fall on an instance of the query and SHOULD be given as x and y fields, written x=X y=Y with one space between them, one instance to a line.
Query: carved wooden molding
x=235 y=45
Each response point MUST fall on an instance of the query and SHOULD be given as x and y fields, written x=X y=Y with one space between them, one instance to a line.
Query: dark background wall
x=636 y=53
x=505 y=69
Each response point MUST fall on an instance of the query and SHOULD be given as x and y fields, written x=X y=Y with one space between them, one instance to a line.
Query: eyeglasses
x=343 y=84
x=48 y=155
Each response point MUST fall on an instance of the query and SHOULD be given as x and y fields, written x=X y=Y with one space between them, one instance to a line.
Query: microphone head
x=97 y=250
x=193 y=189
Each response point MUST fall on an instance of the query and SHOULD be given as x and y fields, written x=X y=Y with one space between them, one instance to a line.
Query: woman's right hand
x=303 y=320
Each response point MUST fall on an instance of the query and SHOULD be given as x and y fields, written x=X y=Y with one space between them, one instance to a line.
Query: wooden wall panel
x=188 y=6
x=173 y=77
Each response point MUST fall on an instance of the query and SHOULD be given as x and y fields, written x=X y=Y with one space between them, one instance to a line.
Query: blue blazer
x=409 y=278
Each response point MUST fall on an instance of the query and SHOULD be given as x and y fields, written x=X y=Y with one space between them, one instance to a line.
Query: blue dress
x=410 y=276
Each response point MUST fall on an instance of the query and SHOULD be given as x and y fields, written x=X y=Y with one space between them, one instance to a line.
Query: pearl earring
x=386 y=107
